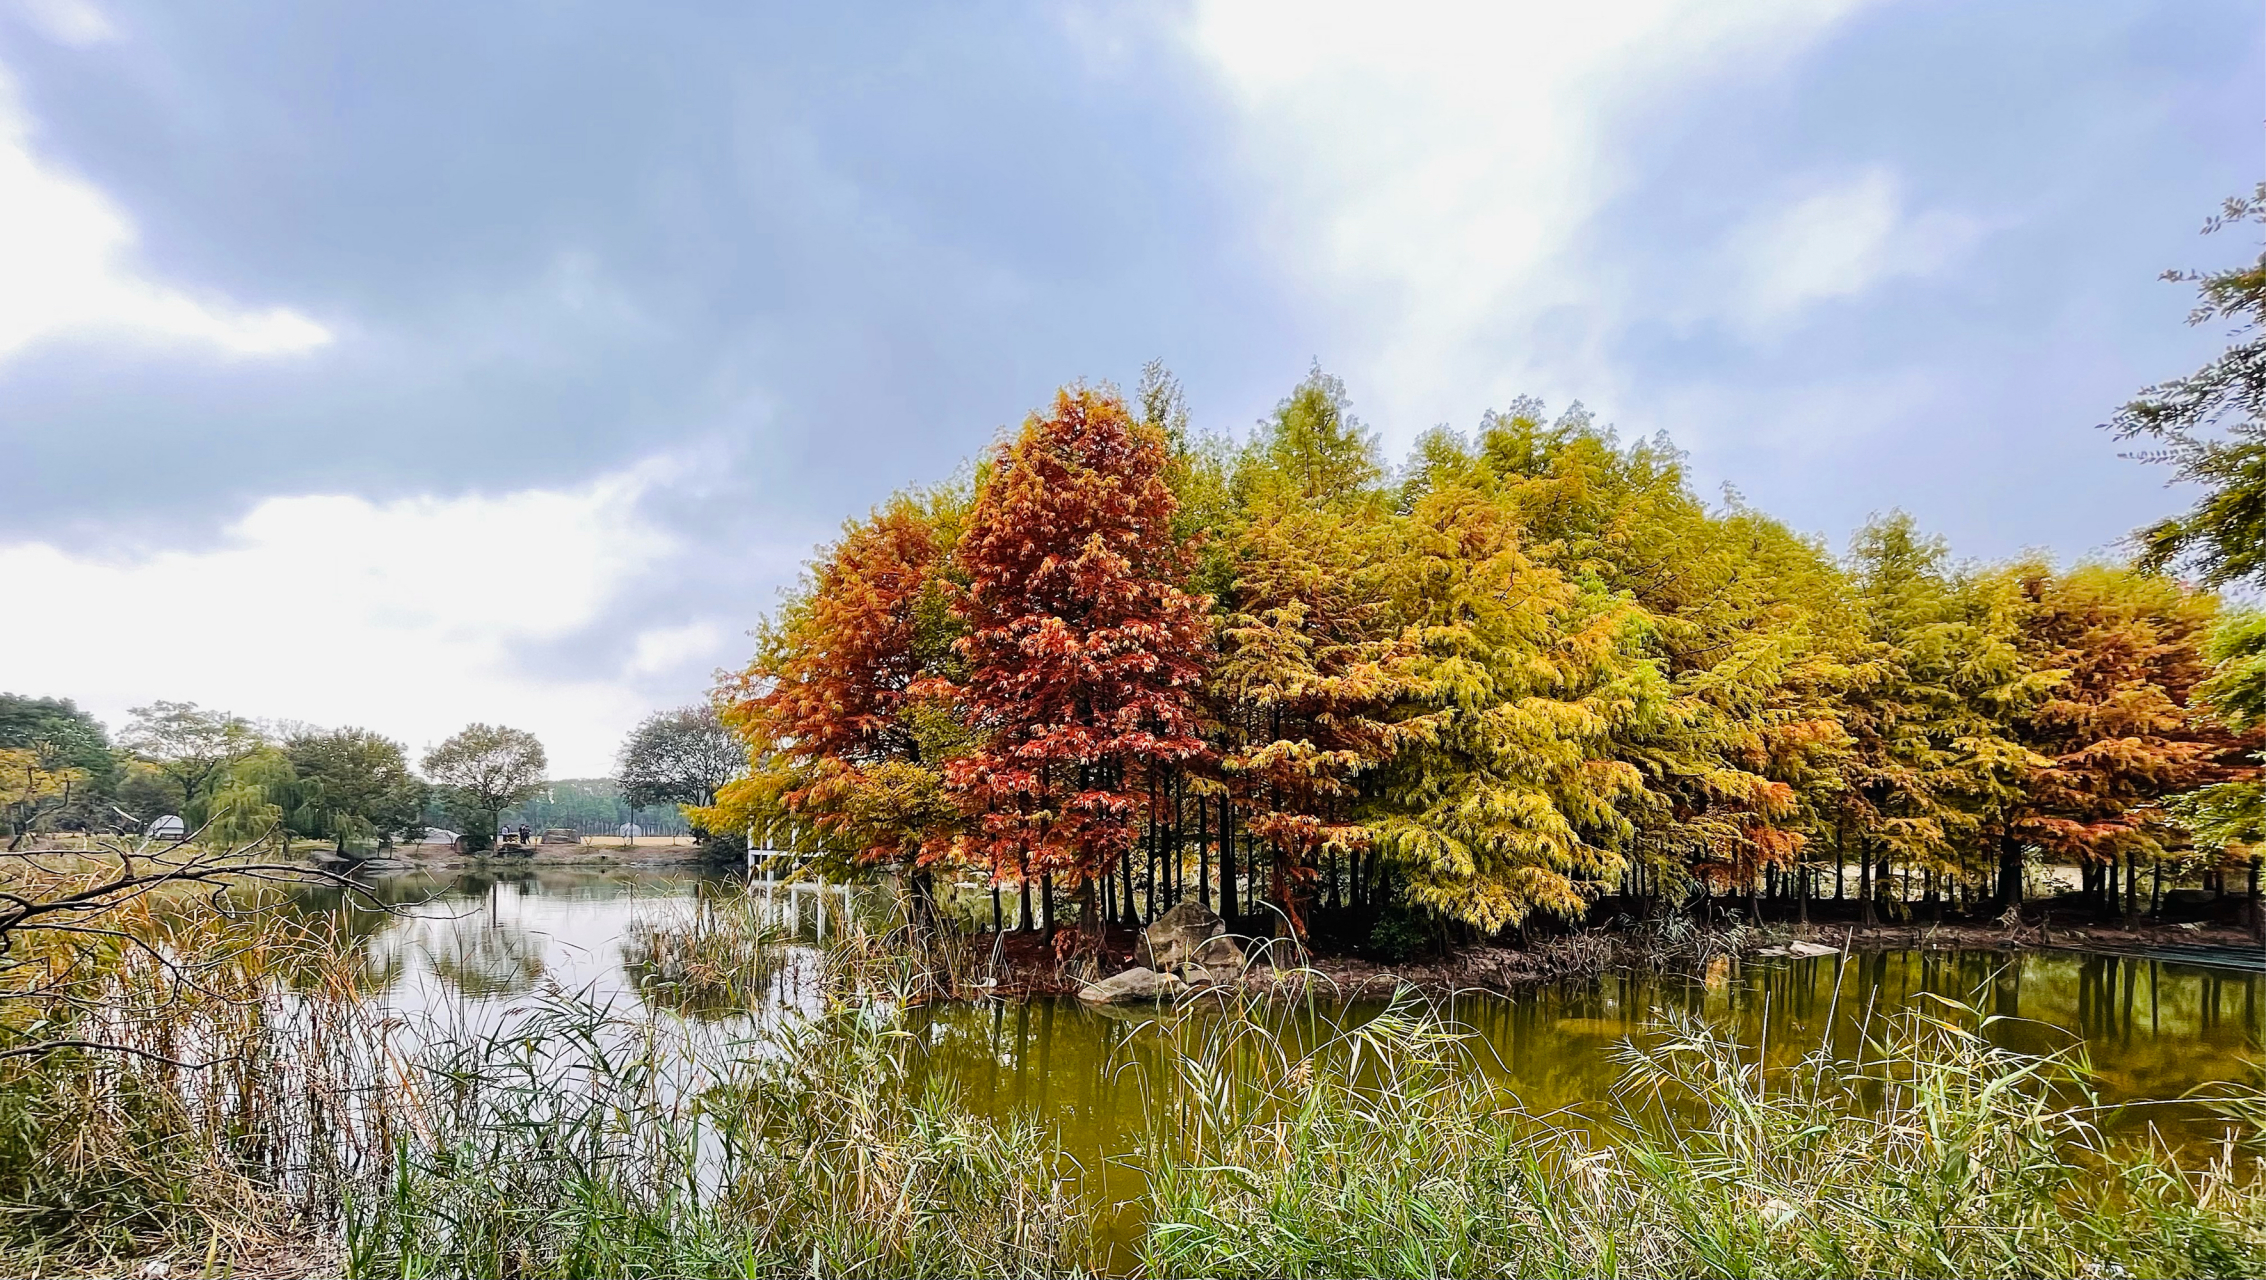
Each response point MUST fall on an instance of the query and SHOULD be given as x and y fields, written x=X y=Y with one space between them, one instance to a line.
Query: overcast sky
x=409 y=364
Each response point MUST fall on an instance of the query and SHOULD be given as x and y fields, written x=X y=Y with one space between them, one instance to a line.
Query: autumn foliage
x=1528 y=670
x=1084 y=654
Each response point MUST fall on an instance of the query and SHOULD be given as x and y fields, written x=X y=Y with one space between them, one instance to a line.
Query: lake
x=471 y=946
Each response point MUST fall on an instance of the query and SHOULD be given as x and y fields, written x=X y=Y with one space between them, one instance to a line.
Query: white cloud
x=403 y=616
x=66 y=268
x=665 y=650
x=77 y=23
x=1840 y=242
x=1436 y=164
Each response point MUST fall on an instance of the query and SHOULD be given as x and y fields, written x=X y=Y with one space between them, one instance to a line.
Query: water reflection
x=2152 y=1032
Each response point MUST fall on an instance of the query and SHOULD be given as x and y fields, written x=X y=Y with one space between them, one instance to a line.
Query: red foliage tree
x=1084 y=656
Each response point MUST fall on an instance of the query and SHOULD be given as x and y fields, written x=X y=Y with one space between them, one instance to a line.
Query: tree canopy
x=483 y=770
x=1525 y=669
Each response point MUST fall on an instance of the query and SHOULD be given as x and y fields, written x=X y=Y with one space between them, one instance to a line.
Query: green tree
x=2210 y=429
x=2210 y=426
x=352 y=784
x=681 y=757
x=243 y=803
x=192 y=747
x=483 y=770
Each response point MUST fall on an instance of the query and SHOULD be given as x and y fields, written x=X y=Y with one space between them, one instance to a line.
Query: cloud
x=65 y=262
x=411 y=617
x=77 y=23
x=1437 y=164
x=1840 y=242
x=666 y=650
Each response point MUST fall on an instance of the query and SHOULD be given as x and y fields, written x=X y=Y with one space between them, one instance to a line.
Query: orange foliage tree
x=845 y=708
x=2118 y=734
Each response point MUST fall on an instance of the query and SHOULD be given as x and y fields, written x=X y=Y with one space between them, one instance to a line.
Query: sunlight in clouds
x=65 y=266
x=1436 y=164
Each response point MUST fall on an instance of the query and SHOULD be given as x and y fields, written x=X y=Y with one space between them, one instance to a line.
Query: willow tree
x=1084 y=656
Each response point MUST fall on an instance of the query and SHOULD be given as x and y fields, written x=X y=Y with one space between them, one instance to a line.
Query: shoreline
x=1508 y=970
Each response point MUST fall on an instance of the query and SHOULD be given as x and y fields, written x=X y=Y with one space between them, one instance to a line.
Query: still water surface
x=2155 y=1033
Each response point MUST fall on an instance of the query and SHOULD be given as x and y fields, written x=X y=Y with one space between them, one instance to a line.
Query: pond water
x=2154 y=1033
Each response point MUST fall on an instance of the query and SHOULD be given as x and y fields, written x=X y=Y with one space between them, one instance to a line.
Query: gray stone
x=1800 y=950
x=1135 y=983
x=1190 y=933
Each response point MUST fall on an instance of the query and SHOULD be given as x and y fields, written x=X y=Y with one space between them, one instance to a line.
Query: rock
x=1190 y=933
x=1800 y=950
x=1135 y=983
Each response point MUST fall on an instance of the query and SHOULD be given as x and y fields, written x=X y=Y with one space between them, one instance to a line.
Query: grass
x=710 y=958
x=573 y=1139
x=1936 y=1155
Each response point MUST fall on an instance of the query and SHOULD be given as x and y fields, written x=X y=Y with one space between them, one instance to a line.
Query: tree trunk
x=1203 y=852
x=1865 y=885
x=1227 y=858
x=2257 y=917
x=1046 y=904
x=2009 y=873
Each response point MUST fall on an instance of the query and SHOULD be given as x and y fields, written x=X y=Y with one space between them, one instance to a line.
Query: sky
x=414 y=364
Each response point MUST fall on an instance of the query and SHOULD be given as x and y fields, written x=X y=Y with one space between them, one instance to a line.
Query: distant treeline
x=593 y=807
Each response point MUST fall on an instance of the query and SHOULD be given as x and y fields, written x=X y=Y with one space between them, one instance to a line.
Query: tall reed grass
x=565 y=1137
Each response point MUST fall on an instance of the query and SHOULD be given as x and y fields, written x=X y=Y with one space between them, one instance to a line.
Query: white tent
x=437 y=835
x=169 y=827
x=629 y=831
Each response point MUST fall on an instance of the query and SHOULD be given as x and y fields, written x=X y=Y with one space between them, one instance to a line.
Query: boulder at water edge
x=1800 y=950
x=1189 y=934
x=1134 y=984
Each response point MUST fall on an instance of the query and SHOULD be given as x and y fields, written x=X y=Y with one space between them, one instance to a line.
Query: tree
x=845 y=712
x=2117 y=734
x=679 y=757
x=1303 y=686
x=191 y=746
x=1748 y=623
x=35 y=785
x=1502 y=799
x=1084 y=655
x=2210 y=426
x=64 y=737
x=1931 y=710
x=485 y=769
x=243 y=805
x=352 y=784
